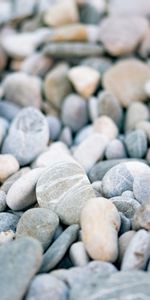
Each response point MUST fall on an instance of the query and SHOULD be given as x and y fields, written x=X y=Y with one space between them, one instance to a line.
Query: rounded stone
x=2 y=201
x=141 y=187
x=8 y=110
x=66 y=136
x=6 y=236
x=28 y=136
x=141 y=217
x=54 y=125
x=8 y=166
x=64 y=195
x=100 y=223
x=136 y=112
x=127 y=206
x=22 y=192
x=83 y=133
x=11 y=179
x=137 y=253
x=47 y=287
x=145 y=126
x=24 y=256
x=136 y=143
x=115 y=149
x=8 y=221
x=22 y=89
x=124 y=241
x=74 y=112
x=78 y=254
x=125 y=224
x=39 y=223
x=106 y=126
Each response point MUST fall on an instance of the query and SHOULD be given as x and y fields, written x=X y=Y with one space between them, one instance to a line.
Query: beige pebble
x=100 y=223
x=8 y=166
x=106 y=126
x=84 y=79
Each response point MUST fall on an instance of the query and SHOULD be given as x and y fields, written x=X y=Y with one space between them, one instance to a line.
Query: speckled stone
x=8 y=221
x=142 y=216
x=2 y=201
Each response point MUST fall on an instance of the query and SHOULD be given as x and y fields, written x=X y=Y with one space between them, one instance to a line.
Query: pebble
x=21 y=194
x=78 y=254
x=3 y=129
x=141 y=219
x=57 y=250
x=66 y=136
x=124 y=241
x=125 y=224
x=6 y=236
x=65 y=196
x=84 y=79
x=47 y=287
x=39 y=223
x=56 y=85
x=137 y=253
x=36 y=64
x=89 y=14
x=22 y=89
x=8 y=110
x=106 y=126
x=126 y=80
x=8 y=166
x=24 y=256
x=115 y=150
x=109 y=105
x=101 y=64
x=54 y=125
x=74 y=112
x=92 y=108
x=128 y=194
x=83 y=133
x=100 y=223
x=8 y=221
x=141 y=188
x=91 y=150
x=129 y=8
x=61 y=13
x=128 y=206
x=136 y=112
x=136 y=143
x=11 y=179
x=97 y=186
x=25 y=140
x=121 y=35
x=145 y=126
x=2 y=201
x=71 y=50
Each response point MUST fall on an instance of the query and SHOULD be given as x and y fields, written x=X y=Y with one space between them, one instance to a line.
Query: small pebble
x=66 y=136
x=127 y=206
x=124 y=241
x=136 y=112
x=78 y=254
x=136 y=143
x=105 y=125
x=8 y=166
x=8 y=221
x=115 y=150
x=54 y=125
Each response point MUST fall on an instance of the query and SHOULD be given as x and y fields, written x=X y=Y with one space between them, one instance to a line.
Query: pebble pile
x=74 y=150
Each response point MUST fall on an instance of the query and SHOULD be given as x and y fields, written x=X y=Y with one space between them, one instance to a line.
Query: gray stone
x=54 y=127
x=100 y=64
x=128 y=194
x=125 y=224
x=135 y=113
x=8 y=221
x=82 y=134
x=8 y=110
x=19 y=260
x=89 y=14
x=127 y=206
x=109 y=105
x=141 y=217
x=141 y=187
x=2 y=201
x=57 y=250
x=66 y=196
x=115 y=150
x=137 y=253
x=78 y=254
x=66 y=136
x=92 y=108
x=47 y=287
x=11 y=179
x=136 y=143
x=124 y=241
x=3 y=129
x=74 y=112
x=117 y=180
x=39 y=223
x=28 y=136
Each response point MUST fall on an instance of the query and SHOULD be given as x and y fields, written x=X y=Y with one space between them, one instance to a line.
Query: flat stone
x=2 y=201
x=106 y=126
x=46 y=287
x=78 y=254
x=141 y=188
x=109 y=105
x=126 y=80
x=136 y=112
x=24 y=140
x=74 y=112
x=24 y=256
x=136 y=143
x=84 y=79
x=8 y=166
x=137 y=253
x=91 y=150
x=65 y=196
x=8 y=221
x=121 y=35
x=142 y=216
x=21 y=194
x=56 y=84
x=39 y=223
x=128 y=206
x=22 y=89
x=115 y=150
x=57 y=250
x=100 y=223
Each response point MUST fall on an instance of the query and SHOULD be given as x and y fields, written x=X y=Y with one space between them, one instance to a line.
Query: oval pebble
x=22 y=192
x=28 y=136
x=115 y=150
x=106 y=126
x=136 y=112
x=64 y=195
x=100 y=223
x=78 y=254
x=11 y=179
x=127 y=206
x=8 y=166
x=136 y=143
x=124 y=241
